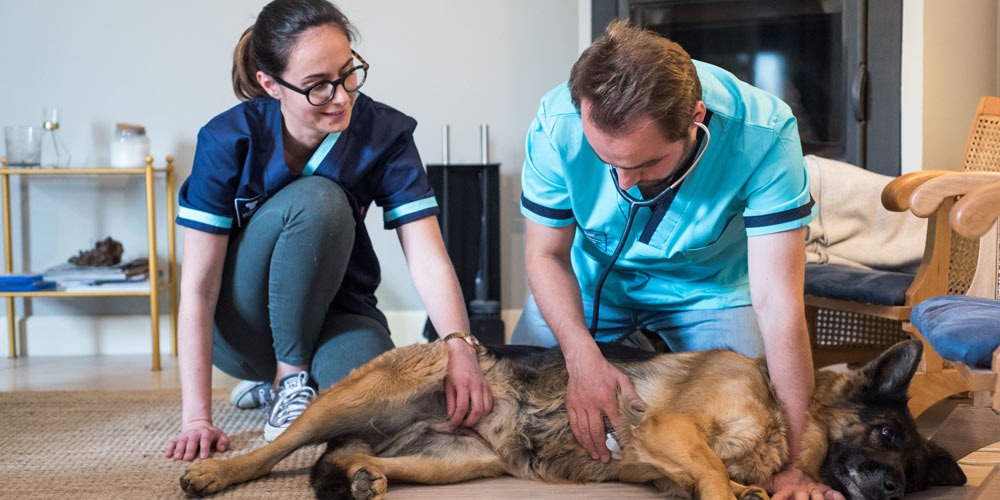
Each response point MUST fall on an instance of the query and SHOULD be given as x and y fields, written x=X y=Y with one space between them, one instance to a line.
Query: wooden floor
x=70 y=373
x=39 y=373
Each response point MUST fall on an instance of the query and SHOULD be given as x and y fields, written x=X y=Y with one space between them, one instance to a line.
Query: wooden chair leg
x=932 y=363
x=926 y=390
x=932 y=382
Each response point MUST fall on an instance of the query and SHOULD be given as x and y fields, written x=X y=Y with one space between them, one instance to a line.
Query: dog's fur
x=712 y=425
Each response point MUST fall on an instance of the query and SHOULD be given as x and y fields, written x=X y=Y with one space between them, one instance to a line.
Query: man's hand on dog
x=591 y=395
x=466 y=392
x=793 y=484
x=197 y=439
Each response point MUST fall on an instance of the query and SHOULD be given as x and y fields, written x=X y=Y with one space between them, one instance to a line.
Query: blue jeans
x=734 y=329
x=281 y=275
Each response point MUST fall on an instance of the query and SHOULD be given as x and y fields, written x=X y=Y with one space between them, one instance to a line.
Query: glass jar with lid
x=129 y=146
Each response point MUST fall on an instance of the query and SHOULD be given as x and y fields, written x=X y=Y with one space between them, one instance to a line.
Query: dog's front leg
x=675 y=444
x=365 y=396
x=212 y=476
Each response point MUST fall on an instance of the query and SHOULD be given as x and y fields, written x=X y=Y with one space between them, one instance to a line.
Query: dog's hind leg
x=675 y=444
x=330 y=480
x=352 y=471
x=372 y=393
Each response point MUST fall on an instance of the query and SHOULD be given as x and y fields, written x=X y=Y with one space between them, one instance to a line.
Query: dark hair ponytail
x=245 y=70
x=267 y=44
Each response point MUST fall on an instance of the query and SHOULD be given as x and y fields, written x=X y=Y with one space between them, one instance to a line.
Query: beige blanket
x=852 y=227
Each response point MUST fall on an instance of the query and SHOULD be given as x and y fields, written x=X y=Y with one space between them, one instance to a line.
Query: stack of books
x=125 y=276
x=25 y=283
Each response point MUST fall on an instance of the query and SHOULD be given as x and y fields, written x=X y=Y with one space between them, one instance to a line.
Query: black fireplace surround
x=835 y=62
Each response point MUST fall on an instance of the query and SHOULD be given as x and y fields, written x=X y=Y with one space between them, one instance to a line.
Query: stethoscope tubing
x=634 y=204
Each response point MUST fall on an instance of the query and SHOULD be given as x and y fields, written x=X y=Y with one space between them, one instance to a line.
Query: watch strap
x=466 y=336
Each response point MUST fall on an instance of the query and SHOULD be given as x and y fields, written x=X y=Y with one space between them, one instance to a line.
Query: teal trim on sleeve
x=205 y=218
x=409 y=208
x=320 y=154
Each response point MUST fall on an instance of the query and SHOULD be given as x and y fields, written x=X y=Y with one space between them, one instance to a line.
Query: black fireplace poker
x=481 y=307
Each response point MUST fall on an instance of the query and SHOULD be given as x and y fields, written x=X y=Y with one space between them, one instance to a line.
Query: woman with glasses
x=279 y=274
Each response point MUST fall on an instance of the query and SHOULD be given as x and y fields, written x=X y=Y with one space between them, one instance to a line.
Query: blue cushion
x=963 y=329
x=884 y=288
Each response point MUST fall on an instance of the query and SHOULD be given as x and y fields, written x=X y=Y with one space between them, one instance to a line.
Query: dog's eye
x=888 y=434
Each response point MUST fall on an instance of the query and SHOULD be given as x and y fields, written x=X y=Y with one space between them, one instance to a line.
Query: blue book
x=24 y=285
x=19 y=279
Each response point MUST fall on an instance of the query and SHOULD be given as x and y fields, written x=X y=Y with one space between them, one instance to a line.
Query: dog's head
x=875 y=451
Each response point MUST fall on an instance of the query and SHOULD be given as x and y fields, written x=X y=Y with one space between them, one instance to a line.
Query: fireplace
x=835 y=62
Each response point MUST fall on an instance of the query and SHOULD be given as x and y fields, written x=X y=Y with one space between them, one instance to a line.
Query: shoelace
x=265 y=395
x=291 y=404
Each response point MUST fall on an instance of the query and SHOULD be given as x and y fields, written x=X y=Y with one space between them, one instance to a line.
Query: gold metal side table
x=156 y=284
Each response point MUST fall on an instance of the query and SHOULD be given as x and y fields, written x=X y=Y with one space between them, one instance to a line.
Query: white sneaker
x=249 y=394
x=294 y=396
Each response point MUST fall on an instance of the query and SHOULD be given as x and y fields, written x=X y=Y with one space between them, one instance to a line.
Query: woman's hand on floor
x=197 y=438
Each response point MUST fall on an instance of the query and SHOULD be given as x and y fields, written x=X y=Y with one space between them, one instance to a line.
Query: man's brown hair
x=630 y=73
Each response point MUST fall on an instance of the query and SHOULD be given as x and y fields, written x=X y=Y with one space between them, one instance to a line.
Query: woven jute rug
x=109 y=444
x=104 y=444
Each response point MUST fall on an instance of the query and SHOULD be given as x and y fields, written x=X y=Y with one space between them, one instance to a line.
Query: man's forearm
x=557 y=294
x=790 y=365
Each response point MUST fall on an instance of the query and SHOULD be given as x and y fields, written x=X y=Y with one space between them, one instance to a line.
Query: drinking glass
x=24 y=146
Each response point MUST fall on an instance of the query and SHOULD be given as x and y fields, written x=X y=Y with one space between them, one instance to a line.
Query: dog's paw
x=754 y=493
x=203 y=479
x=368 y=485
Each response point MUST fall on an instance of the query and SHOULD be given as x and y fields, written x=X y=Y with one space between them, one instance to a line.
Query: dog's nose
x=890 y=490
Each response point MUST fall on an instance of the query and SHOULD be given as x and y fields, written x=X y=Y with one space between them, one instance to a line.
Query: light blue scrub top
x=691 y=252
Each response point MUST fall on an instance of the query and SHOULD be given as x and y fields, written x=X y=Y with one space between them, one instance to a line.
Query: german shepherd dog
x=712 y=426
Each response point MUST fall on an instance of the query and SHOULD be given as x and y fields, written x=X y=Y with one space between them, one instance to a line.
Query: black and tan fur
x=712 y=424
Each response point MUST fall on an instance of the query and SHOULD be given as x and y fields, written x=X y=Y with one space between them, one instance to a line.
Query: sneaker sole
x=271 y=433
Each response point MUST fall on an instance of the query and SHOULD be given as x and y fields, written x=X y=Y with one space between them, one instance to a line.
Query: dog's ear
x=891 y=372
x=943 y=470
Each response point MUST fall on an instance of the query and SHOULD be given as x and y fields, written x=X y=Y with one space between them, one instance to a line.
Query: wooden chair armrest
x=927 y=197
x=896 y=194
x=977 y=211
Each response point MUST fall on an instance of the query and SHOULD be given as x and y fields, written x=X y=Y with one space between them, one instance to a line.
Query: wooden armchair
x=965 y=329
x=846 y=328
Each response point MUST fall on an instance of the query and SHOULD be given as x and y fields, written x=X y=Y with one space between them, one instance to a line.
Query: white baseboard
x=119 y=335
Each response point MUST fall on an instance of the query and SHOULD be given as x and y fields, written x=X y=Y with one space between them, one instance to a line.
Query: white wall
x=959 y=68
x=911 y=93
x=167 y=65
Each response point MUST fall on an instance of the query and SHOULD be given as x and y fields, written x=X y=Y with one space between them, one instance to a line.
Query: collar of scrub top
x=661 y=202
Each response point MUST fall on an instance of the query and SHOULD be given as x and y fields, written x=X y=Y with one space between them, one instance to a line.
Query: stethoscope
x=634 y=205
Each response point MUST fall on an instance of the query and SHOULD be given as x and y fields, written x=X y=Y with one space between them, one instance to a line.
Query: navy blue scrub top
x=239 y=163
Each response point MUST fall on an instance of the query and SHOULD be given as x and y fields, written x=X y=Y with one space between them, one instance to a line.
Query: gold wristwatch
x=466 y=336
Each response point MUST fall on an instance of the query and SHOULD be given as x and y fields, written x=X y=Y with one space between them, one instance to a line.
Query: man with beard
x=664 y=194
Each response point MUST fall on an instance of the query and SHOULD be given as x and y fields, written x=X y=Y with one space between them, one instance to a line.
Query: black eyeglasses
x=322 y=92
